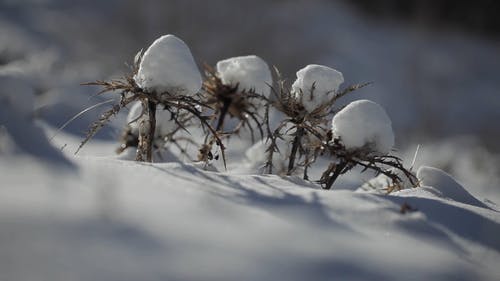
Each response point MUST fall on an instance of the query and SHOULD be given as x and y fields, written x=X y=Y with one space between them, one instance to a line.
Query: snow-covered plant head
x=237 y=88
x=307 y=106
x=248 y=73
x=364 y=125
x=164 y=78
x=168 y=67
x=316 y=85
x=362 y=135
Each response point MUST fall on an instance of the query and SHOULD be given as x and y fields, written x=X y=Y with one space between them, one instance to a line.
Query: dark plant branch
x=387 y=165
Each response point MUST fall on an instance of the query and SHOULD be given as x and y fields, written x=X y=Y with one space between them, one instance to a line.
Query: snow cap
x=364 y=123
x=326 y=82
x=168 y=66
x=248 y=72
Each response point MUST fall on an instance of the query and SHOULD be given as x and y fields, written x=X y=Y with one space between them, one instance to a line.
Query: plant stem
x=222 y=115
x=295 y=148
x=336 y=173
x=152 y=129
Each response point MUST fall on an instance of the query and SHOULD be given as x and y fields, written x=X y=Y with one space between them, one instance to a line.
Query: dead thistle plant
x=225 y=102
x=365 y=157
x=182 y=109
x=307 y=128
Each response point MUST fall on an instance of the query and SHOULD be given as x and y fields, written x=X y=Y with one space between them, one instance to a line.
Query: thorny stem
x=222 y=115
x=295 y=148
x=152 y=129
x=270 y=136
x=336 y=173
x=146 y=138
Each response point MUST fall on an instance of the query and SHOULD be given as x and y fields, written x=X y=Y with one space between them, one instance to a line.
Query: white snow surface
x=364 y=123
x=110 y=219
x=169 y=66
x=121 y=220
x=325 y=80
x=248 y=72
x=164 y=124
x=446 y=185
x=17 y=94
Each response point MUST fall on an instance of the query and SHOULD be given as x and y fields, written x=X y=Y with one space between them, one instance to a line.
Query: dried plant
x=308 y=129
x=129 y=91
x=227 y=101
x=365 y=157
x=182 y=120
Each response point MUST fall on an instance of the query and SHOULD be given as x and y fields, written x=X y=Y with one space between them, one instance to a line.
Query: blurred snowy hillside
x=438 y=80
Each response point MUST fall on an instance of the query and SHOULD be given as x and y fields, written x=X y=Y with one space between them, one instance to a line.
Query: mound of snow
x=256 y=157
x=380 y=183
x=18 y=133
x=168 y=66
x=17 y=94
x=181 y=217
x=164 y=122
x=362 y=124
x=446 y=185
x=248 y=72
x=315 y=85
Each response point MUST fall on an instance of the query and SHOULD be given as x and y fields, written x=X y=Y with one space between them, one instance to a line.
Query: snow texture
x=380 y=183
x=164 y=122
x=248 y=72
x=256 y=157
x=19 y=134
x=446 y=185
x=168 y=66
x=364 y=124
x=17 y=94
x=184 y=223
x=315 y=85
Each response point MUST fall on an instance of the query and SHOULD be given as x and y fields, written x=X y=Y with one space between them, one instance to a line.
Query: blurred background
x=435 y=64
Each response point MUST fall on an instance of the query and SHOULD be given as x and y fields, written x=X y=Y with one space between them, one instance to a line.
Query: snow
x=315 y=85
x=169 y=66
x=381 y=182
x=364 y=123
x=446 y=185
x=248 y=72
x=164 y=123
x=19 y=134
x=184 y=223
x=17 y=95
x=256 y=157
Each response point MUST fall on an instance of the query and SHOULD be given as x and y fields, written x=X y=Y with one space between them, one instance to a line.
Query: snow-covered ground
x=110 y=219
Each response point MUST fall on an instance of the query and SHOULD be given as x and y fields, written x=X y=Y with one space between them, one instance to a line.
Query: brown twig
x=366 y=158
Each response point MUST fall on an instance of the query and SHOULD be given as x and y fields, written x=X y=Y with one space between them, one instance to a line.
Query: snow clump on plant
x=316 y=85
x=364 y=124
x=246 y=72
x=169 y=66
